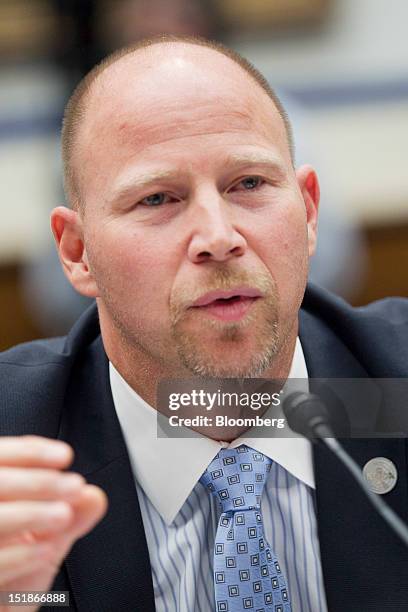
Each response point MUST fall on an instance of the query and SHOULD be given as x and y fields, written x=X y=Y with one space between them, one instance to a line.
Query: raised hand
x=43 y=511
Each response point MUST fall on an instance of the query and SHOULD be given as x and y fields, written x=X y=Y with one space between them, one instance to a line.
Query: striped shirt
x=180 y=517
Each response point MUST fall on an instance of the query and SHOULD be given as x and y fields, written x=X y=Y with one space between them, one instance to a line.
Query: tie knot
x=236 y=477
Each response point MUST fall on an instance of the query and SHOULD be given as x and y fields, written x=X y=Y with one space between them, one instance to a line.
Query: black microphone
x=308 y=415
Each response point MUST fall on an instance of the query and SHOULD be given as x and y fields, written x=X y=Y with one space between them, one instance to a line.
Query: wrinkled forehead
x=171 y=89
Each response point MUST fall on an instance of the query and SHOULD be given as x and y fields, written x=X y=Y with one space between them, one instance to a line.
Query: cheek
x=134 y=271
x=283 y=247
x=285 y=238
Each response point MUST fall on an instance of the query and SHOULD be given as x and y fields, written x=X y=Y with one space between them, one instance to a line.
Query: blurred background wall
x=340 y=66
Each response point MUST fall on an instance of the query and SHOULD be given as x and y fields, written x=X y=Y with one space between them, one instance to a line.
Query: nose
x=214 y=236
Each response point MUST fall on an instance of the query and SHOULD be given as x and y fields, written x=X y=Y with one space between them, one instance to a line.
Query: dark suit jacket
x=60 y=389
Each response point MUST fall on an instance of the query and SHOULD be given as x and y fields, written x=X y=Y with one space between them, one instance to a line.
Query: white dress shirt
x=180 y=517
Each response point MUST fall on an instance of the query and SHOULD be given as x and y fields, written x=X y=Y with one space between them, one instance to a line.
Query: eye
x=249 y=183
x=155 y=199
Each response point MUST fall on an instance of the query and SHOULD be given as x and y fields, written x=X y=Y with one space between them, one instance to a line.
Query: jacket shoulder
x=35 y=353
x=392 y=311
x=377 y=334
x=34 y=378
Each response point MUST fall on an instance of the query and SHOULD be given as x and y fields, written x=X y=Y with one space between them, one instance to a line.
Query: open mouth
x=231 y=308
x=231 y=300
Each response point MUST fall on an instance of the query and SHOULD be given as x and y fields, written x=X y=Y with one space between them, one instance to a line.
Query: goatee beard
x=216 y=349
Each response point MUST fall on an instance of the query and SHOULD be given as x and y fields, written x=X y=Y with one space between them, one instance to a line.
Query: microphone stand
x=383 y=509
x=307 y=414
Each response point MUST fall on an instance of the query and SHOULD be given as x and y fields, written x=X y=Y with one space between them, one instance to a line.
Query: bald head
x=147 y=70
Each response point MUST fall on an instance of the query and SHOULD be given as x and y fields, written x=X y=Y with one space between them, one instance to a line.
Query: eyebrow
x=130 y=184
x=141 y=181
x=257 y=159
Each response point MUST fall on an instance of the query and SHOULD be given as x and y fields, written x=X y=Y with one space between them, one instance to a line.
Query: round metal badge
x=380 y=474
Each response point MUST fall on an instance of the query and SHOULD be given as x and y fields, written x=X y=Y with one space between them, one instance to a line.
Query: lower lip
x=229 y=311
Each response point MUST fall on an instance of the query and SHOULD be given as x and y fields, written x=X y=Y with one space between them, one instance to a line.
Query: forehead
x=170 y=92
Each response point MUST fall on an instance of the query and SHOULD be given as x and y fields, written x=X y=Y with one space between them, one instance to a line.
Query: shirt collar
x=159 y=464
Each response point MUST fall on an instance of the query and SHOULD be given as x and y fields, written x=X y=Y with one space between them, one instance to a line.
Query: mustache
x=221 y=279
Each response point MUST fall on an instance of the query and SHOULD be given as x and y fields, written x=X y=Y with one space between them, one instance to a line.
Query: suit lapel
x=109 y=568
x=359 y=553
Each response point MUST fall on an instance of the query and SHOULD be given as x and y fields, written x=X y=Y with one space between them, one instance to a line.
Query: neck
x=143 y=372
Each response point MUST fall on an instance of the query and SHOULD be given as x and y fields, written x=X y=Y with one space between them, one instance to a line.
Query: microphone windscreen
x=303 y=411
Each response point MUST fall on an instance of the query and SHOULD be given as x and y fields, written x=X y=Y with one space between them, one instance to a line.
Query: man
x=190 y=226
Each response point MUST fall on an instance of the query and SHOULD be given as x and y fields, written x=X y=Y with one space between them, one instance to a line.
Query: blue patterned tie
x=247 y=575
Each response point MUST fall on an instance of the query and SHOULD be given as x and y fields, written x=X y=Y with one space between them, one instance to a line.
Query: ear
x=66 y=226
x=309 y=187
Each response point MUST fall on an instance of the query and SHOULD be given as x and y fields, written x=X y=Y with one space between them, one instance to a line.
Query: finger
x=34 y=451
x=35 y=484
x=21 y=560
x=89 y=508
x=88 y=511
x=33 y=515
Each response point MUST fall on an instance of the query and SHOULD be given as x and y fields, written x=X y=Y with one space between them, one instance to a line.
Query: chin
x=229 y=351
x=224 y=367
